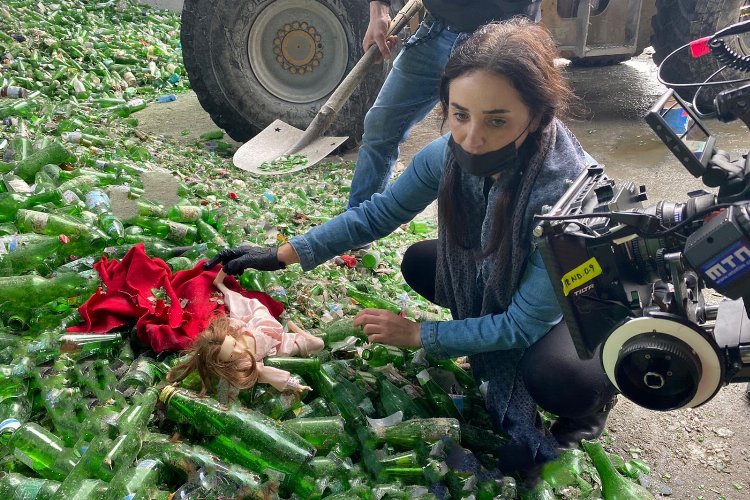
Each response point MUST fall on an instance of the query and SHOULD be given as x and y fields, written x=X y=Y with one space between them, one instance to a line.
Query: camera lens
x=644 y=253
x=658 y=371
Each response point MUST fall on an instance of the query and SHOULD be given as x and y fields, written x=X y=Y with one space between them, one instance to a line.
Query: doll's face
x=234 y=348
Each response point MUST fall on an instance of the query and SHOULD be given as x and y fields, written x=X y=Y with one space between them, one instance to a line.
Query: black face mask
x=487 y=164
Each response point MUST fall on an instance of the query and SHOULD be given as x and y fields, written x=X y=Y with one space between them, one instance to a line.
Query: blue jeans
x=409 y=93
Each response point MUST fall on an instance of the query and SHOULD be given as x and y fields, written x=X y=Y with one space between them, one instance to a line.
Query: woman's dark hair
x=524 y=53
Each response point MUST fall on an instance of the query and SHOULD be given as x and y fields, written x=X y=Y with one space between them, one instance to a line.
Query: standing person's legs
x=409 y=93
x=576 y=390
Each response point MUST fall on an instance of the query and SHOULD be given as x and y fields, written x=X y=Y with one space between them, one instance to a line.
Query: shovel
x=263 y=153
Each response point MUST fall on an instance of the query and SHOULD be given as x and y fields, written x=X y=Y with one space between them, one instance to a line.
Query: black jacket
x=468 y=15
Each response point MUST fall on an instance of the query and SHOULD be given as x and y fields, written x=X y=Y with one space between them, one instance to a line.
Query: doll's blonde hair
x=203 y=355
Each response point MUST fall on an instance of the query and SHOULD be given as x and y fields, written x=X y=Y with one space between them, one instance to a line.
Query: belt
x=431 y=19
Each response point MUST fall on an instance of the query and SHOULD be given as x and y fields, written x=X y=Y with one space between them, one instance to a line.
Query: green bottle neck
x=45 y=197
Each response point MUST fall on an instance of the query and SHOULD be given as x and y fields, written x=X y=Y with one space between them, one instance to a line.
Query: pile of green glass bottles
x=90 y=415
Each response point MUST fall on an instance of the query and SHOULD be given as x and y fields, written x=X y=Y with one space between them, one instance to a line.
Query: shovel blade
x=275 y=141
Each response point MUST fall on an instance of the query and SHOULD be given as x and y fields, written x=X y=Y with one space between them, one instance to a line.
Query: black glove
x=236 y=260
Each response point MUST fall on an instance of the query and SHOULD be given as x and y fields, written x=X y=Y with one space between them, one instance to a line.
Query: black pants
x=559 y=381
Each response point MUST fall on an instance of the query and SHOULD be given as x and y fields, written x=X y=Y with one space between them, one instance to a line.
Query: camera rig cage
x=630 y=279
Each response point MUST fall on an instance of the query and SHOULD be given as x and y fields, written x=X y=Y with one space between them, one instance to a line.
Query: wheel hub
x=297 y=50
x=298 y=47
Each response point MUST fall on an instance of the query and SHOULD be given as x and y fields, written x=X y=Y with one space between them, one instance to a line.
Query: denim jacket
x=533 y=311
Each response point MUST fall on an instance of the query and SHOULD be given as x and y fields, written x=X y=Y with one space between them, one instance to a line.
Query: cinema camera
x=631 y=279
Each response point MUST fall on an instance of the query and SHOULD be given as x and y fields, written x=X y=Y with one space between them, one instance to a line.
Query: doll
x=232 y=347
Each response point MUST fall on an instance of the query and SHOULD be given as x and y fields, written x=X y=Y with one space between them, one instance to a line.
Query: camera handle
x=731 y=177
x=734 y=104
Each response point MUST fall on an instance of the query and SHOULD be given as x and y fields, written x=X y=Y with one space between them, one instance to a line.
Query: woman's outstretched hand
x=386 y=327
x=236 y=260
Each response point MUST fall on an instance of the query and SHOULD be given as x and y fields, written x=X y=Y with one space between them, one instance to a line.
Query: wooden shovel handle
x=327 y=114
x=357 y=74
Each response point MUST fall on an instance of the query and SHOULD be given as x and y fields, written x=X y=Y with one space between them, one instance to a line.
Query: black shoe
x=570 y=431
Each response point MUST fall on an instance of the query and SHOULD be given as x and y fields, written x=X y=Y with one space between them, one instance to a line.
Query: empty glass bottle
x=176 y=232
x=143 y=373
x=190 y=458
x=273 y=446
x=343 y=394
x=104 y=458
x=614 y=486
x=98 y=378
x=318 y=407
x=393 y=399
x=216 y=482
x=14 y=184
x=462 y=376
x=299 y=366
x=37 y=448
x=13 y=383
x=63 y=403
x=439 y=400
x=148 y=208
x=89 y=489
x=52 y=154
x=367 y=300
x=430 y=473
x=28 y=252
x=382 y=354
x=483 y=439
x=85 y=139
x=135 y=417
x=32 y=291
x=185 y=213
x=340 y=329
x=13 y=92
x=45 y=223
x=370 y=260
x=130 y=107
x=18 y=407
x=324 y=433
x=273 y=403
x=419 y=227
x=138 y=481
x=403 y=459
x=107 y=102
x=410 y=433
x=209 y=235
x=11 y=203
x=17 y=486
x=98 y=202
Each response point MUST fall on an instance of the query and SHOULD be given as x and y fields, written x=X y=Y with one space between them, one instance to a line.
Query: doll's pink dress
x=253 y=319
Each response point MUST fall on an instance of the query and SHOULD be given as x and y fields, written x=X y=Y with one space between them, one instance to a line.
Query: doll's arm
x=279 y=379
x=306 y=342
x=294 y=327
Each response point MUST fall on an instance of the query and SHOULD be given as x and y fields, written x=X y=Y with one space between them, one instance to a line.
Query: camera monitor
x=681 y=131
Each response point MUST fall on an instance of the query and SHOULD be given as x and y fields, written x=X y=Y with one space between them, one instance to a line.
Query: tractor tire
x=253 y=62
x=678 y=22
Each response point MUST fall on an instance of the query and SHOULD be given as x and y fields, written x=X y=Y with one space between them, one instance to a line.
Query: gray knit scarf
x=473 y=287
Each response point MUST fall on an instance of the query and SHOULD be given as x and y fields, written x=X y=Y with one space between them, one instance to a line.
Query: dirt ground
x=702 y=453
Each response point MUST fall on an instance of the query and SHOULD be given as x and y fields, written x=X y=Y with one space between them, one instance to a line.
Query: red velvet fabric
x=183 y=307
